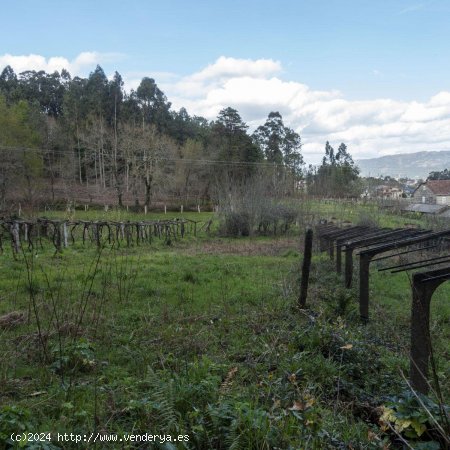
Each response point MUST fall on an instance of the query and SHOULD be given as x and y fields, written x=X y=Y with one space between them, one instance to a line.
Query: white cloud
x=413 y=8
x=369 y=127
x=85 y=61
x=225 y=68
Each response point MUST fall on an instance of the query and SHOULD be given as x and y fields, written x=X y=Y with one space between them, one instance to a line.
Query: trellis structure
x=391 y=243
x=424 y=284
x=63 y=232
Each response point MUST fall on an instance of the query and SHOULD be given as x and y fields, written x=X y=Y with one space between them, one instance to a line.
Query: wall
x=443 y=199
x=424 y=191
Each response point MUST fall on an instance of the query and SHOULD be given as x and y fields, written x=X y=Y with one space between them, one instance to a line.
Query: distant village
x=430 y=196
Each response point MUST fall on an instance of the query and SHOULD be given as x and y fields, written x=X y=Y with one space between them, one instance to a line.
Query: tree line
x=60 y=133
x=439 y=175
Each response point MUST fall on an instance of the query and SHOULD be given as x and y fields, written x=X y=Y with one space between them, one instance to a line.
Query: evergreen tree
x=154 y=105
x=442 y=175
x=337 y=176
x=280 y=144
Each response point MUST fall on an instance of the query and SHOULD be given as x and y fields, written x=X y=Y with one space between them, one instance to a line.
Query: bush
x=76 y=357
x=13 y=419
x=418 y=419
x=367 y=220
x=275 y=217
x=236 y=224
x=265 y=219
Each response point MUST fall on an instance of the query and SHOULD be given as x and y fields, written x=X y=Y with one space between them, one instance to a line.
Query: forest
x=70 y=140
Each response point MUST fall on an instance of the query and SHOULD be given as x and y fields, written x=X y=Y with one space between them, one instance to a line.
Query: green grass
x=119 y=214
x=310 y=209
x=203 y=338
x=339 y=211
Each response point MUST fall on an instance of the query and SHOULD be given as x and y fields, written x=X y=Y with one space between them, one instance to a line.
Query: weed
x=415 y=416
x=190 y=277
x=14 y=419
x=77 y=356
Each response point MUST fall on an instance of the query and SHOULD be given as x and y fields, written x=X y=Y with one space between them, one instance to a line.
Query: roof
x=438 y=187
x=445 y=214
x=425 y=208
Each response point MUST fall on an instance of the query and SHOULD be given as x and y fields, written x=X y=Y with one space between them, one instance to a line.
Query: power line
x=156 y=159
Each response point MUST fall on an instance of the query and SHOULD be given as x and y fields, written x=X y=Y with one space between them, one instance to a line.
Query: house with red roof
x=434 y=192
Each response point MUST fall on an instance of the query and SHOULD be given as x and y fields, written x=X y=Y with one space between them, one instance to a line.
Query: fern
x=162 y=402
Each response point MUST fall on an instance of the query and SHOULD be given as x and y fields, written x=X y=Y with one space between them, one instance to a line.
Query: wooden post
x=127 y=234
x=65 y=233
x=423 y=287
x=348 y=267
x=198 y=208
x=338 y=257
x=165 y=209
x=364 y=265
x=15 y=237
x=97 y=234
x=420 y=335
x=145 y=209
x=305 y=269
x=57 y=226
x=181 y=209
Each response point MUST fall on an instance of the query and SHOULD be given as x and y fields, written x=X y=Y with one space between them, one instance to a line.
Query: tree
x=47 y=90
x=233 y=147
x=230 y=132
x=280 y=144
x=146 y=152
x=154 y=105
x=75 y=111
x=442 y=175
x=8 y=84
x=182 y=127
x=56 y=154
x=337 y=176
x=97 y=93
x=115 y=101
x=190 y=172
x=19 y=143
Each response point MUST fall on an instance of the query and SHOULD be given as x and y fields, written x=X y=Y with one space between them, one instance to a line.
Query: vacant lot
x=202 y=338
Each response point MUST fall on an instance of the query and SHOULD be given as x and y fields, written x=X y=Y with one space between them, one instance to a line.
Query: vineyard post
x=306 y=268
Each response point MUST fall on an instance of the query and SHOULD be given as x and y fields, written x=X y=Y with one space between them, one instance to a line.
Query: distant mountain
x=412 y=165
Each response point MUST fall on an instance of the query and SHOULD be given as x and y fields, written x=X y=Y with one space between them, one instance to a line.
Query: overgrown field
x=203 y=338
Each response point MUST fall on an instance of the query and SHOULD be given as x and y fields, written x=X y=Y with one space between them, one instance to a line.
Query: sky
x=372 y=74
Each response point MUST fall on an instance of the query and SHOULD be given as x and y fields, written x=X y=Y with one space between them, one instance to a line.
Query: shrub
x=264 y=218
x=418 y=418
x=13 y=419
x=236 y=224
x=76 y=357
x=275 y=217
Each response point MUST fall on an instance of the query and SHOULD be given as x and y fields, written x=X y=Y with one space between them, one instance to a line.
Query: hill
x=413 y=165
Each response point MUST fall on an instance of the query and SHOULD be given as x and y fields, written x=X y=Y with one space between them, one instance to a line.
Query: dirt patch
x=247 y=247
x=12 y=319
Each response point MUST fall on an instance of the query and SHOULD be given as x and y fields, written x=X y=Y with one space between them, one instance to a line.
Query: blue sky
x=354 y=51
